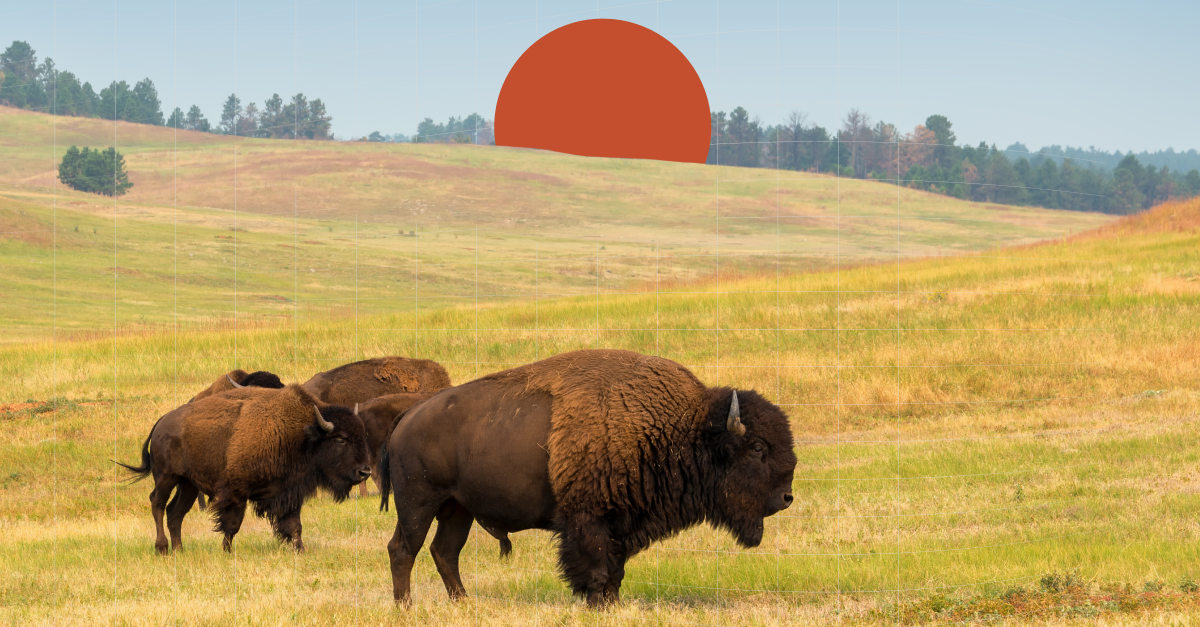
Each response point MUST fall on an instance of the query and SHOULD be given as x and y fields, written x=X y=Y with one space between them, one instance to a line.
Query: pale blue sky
x=1117 y=75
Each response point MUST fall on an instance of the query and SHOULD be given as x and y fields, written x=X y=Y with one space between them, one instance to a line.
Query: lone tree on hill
x=96 y=171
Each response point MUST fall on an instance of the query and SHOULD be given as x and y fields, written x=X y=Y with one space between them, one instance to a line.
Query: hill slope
x=219 y=227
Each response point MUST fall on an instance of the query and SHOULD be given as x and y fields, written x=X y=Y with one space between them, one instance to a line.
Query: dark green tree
x=149 y=107
x=270 y=120
x=21 y=87
x=119 y=102
x=196 y=121
x=1193 y=183
x=231 y=112
x=96 y=171
x=945 y=152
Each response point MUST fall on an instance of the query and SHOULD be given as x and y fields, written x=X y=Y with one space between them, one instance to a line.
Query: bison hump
x=616 y=416
x=398 y=374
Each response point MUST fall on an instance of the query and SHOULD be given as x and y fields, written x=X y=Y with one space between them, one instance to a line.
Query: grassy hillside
x=221 y=231
x=966 y=425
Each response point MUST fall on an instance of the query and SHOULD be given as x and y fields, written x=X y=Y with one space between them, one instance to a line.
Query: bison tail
x=385 y=478
x=142 y=471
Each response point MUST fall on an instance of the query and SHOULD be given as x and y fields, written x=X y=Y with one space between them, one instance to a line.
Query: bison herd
x=610 y=450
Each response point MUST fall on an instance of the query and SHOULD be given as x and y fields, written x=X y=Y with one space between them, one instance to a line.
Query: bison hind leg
x=163 y=485
x=502 y=536
x=454 y=526
x=179 y=506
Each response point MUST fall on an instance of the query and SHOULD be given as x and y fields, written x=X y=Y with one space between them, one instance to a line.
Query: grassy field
x=1002 y=435
x=221 y=231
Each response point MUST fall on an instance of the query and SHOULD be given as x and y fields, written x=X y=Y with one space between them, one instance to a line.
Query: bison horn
x=324 y=424
x=734 y=424
x=356 y=409
x=235 y=383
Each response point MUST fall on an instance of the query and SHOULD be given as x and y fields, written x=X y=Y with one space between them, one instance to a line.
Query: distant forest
x=926 y=158
x=26 y=84
x=929 y=158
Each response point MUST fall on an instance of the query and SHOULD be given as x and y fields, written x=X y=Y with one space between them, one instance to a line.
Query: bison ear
x=734 y=423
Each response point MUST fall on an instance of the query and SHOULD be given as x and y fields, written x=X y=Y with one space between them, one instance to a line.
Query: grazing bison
x=364 y=380
x=231 y=381
x=272 y=447
x=611 y=450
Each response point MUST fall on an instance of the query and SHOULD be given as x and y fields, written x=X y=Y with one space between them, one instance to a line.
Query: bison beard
x=610 y=450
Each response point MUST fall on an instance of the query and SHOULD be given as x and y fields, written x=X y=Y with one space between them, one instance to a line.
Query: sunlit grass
x=965 y=426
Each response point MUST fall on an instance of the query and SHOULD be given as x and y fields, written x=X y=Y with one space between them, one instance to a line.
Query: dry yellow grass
x=966 y=425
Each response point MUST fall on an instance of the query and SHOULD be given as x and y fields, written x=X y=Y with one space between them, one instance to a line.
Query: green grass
x=965 y=424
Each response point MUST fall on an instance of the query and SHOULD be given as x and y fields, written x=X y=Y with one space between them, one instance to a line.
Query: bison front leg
x=454 y=526
x=616 y=574
x=584 y=555
x=288 y=529
x=230 y=513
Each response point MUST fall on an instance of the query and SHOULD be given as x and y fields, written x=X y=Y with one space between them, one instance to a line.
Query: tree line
x=471 y=129
x=27 y=84
x=930 y=159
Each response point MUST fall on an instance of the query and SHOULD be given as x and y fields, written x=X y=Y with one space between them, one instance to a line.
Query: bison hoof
x=162 y=548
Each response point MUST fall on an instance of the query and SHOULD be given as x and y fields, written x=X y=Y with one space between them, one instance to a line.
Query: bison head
x=262 y=379
x=751 y=444
x=337 y=449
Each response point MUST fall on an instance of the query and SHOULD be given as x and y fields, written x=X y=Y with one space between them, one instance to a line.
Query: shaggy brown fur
x=610 y=408
x=252 y=444
x=223 y=383
x=362 y=381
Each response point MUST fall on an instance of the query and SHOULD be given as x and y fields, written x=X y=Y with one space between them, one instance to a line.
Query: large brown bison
x=272 y=447
x=611 y=450
x=362 y=381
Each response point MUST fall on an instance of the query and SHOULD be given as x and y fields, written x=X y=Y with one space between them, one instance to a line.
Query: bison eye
x=339 y=440
x=758 y=448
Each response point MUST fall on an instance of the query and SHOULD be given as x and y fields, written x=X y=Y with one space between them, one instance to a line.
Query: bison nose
x=363 y=473
x=787 y=501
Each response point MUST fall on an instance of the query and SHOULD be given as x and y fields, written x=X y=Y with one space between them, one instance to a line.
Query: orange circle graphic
x=605 y=88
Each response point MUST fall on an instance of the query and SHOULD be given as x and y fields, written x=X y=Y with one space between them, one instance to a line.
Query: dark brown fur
x=611 y=450
x=379 y=416
x=251 y=444
x=362 y=381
